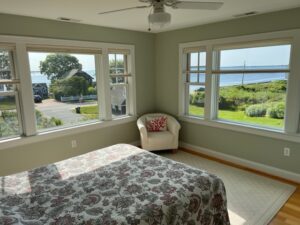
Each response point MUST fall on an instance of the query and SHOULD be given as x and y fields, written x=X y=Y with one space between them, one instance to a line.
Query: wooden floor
x=289 y=214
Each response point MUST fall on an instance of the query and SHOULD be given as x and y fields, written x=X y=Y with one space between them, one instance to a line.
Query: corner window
x=49 y=85
x=253 y=84
x=10 y=123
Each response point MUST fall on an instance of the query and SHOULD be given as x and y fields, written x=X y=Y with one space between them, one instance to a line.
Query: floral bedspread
x=117 y=185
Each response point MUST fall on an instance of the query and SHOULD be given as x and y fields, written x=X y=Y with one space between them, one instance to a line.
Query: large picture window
x=64 y=89
x=253 y=84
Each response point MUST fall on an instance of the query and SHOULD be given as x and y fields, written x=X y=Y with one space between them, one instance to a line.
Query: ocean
x=225 y=80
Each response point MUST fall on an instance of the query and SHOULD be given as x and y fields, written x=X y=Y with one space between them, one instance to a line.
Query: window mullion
x=183 y=85
x=131 y=96
x=215 y=85
x=208 y=85
x=100 y=85
x=105 y=94
x=26 y=92
x=293 y=91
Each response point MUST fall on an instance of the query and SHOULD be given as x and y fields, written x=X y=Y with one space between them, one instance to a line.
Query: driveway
x=60 y=110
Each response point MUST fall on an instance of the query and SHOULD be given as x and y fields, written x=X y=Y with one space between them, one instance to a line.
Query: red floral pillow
x=155 y=124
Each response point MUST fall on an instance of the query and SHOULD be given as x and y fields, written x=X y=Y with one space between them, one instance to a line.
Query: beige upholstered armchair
x=159 y=140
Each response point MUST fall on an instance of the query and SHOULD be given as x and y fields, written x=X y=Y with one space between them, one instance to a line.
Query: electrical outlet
x=286 y=151
x=74 y=143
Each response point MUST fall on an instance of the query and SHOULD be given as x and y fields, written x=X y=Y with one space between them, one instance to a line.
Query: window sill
x=48 y=135
x=260 y=131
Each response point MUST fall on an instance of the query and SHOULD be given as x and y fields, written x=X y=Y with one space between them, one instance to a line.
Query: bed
x=117 y=185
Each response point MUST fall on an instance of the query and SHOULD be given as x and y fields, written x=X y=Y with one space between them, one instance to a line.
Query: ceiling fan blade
x=197 y=5
x=125 y=9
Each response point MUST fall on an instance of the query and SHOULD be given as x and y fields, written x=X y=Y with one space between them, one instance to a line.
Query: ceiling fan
x=159 y=17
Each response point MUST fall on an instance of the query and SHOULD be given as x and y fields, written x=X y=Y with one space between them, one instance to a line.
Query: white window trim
x=102 y=75
x=290 y=132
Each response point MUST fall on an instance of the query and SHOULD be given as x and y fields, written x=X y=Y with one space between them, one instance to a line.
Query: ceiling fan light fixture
x=159 y=19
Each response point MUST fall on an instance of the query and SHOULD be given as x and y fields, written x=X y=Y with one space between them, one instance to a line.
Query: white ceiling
x=86 y=11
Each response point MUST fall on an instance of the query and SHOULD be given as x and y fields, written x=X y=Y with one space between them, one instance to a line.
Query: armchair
x=159 y=140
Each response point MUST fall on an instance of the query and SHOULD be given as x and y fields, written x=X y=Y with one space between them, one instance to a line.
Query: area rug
x=252 y=199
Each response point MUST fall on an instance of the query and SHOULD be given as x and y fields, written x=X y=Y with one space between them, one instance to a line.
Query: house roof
x=78 y=72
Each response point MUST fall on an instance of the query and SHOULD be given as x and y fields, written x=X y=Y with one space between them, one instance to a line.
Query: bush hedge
x=74 y=86
x=258 y=110
x=240 y=97
x=9 y=124
x=276 y=111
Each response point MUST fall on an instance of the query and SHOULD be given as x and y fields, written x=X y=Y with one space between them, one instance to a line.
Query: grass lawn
x=240 y=116
x=7 y=105
x=90 y=112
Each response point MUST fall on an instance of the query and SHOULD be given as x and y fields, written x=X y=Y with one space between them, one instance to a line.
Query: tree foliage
x=56 y=65
x=74 y=86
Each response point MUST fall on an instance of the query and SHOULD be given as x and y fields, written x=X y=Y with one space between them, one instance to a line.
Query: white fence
x=78 y=98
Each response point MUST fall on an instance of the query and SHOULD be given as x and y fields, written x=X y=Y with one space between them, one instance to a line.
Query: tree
x=74 y=86
x=56 y=65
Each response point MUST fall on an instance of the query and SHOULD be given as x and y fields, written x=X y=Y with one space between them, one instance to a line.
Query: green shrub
x=197 y=97
x=44 y=122
x=57 y=121
x=92 y=91
x=9 y=124
x=9 y=114
x=276 y=111
x=258 y=110
x=238 y=97
x=74 y=86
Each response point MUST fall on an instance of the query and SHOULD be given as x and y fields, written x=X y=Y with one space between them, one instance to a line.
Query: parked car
x=37 y=99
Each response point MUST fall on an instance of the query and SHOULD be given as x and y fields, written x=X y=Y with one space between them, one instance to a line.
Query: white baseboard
x=243 y=162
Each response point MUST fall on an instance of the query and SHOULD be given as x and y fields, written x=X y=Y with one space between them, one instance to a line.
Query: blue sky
x=258 y=56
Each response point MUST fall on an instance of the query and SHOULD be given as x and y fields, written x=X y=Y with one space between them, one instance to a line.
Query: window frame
x=186 y=74
x=126 y=76
x=218 y=72
x=21 y=62
x=291 y=130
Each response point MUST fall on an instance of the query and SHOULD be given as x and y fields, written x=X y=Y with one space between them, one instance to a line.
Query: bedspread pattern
x=117 y=185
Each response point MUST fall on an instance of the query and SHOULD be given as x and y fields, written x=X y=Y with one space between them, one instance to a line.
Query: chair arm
x=173 y=125
x=142 y=128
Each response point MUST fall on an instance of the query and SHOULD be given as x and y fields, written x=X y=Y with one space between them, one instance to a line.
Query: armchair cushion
x=156 y=123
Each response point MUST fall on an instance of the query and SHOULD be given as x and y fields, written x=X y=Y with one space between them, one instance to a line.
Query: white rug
x=252 y=199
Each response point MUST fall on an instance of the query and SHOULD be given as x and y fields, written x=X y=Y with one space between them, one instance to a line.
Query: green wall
x=248 y=146
x=32 y=155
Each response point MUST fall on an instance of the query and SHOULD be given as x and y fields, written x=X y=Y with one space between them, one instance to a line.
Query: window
x=63 y=84
x=195 y=82
x=119 y=77
x=64 y=89
x=9 y=104
x=253 y=84
x=247 y=83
